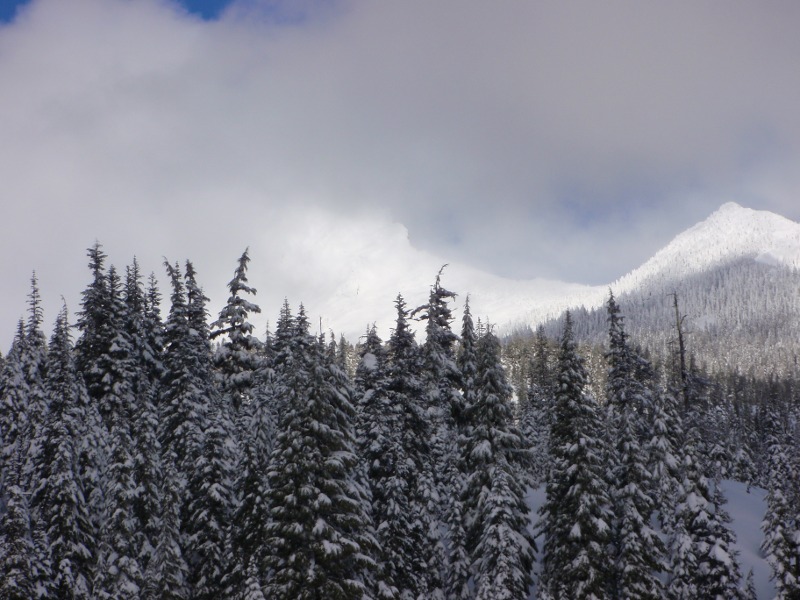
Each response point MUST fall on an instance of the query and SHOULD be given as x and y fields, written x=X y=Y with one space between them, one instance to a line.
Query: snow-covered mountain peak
x=730 y=233
x=380 y=262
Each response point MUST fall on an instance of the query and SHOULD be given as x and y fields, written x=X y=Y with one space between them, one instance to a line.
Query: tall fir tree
x=28 y=394
x=167 y=574
x=236 y=359
x=703 y=562
x=59 y=495
x=638 y=549
x=536 y=407
x=112 y=364
x=445 y=408
x=459 y=571
x=19 y=563
x=34 y=359
x=403 y=528
x=145 y=330
x=781 y=524
x=210 y=471
x=104 y=352
x=576 y=518
x=498 y=541
x=318 y=525
x=183 y=390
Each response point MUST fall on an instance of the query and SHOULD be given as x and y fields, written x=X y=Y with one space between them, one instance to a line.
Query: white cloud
x=564 y=140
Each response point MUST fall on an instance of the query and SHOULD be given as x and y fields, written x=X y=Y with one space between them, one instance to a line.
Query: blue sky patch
x=206 y=9
x=8 y=8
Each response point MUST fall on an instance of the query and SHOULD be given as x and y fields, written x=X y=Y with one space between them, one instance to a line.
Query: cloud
x=566 y=140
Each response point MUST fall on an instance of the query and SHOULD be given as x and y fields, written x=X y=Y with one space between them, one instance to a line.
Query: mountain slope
x=363 y=289
x=731 y=235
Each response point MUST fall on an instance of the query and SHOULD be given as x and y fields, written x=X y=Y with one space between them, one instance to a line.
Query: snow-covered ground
x=746 y=509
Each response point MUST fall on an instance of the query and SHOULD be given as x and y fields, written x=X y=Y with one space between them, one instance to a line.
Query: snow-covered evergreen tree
x=146 y=333
x=23 y=574
x=781 y=525
x=104 y=352
x=576 y=518
x=638 y=549
x=535 y=408
x=318 y=530
x=498 y=540
x=379 y=445
x=209 y=509
x=703 y=562
x=167 y=574
x=184 y=389
x=403 y=518
x=236 y=359
x=445 y=412
x=59 y=494
x=460 y=561
x=34 y=359
x=209 y=467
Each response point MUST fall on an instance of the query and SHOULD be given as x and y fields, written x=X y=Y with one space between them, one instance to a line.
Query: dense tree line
x=740 y=317
x=175 y=457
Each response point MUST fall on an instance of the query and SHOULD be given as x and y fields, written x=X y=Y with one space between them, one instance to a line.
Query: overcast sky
x=564 y=140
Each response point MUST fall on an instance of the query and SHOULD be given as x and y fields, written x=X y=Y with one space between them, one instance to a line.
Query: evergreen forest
x=153 y=451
